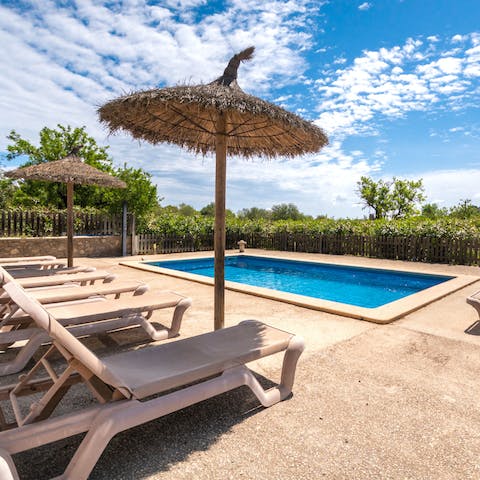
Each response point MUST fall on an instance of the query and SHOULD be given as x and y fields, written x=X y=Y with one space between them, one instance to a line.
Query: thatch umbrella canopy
x=214 y=117
x=70 y=170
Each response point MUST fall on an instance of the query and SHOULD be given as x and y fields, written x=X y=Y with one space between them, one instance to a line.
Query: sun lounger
x=65 y=293
x=67 y=280
x=54 y=282
x=38 y=258
x=127 y=385
x=44 y=272
x=474 y=301
x=37 y=265
x=92 y=318
x=51 y=281
x=68 y=294
x=80 y=278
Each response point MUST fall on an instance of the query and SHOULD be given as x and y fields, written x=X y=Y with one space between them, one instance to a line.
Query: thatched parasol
x=215 y=117
x=70 y=170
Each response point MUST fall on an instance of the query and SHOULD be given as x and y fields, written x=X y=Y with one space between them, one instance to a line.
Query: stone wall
x=83 y=246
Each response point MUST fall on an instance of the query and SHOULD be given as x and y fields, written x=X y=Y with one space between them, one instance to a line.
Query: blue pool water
x=363 y=287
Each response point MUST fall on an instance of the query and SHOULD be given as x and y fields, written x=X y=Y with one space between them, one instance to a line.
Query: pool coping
x=384 y=314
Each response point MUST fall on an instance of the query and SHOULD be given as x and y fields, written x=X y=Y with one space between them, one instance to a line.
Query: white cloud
x=450 y=65
x=389 y=83
x=447 y=187
x=458 y=38
x=365 y=6
x=73 y=59
x=318 y=184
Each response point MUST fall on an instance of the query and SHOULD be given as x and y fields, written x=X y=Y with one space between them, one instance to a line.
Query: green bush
x=172 y=224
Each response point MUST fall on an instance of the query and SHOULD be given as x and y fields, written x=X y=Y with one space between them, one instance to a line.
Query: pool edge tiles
x=383 y=314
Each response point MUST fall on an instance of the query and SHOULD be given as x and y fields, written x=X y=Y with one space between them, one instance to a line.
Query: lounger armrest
x=474 y=301
x=174 y=330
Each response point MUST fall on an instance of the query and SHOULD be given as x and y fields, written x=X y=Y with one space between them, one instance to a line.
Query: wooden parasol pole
x=219 y=238
x=70 y=224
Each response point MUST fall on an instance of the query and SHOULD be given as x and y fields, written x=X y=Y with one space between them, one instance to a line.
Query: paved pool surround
x=384 y=314
x=369 y=401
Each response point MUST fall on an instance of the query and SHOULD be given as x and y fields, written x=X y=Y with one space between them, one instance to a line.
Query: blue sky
x=394 y=83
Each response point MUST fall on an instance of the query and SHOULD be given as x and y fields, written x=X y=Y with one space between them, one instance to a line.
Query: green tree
x=209 y=211
x=186 y=210
x=390 y=199
x=140 y=194
x=7 y=192
x=433 y=211
x=286 y=211
x=55 y=144
x=405 y=196
x=375 y=195
x=254 y=213
x=465 y=209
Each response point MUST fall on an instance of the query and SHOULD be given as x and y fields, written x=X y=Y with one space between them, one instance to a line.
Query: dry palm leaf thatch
x=70 y=169
x=218 y=117
x=187 y=116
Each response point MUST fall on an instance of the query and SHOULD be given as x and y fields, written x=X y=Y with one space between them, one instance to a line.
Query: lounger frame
x=115 y=413
x=134 y=387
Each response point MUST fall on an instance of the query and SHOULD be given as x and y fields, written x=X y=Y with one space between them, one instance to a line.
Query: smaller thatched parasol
x=70 y=170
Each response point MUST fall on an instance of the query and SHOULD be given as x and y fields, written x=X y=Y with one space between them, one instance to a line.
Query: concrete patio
x=397 y=401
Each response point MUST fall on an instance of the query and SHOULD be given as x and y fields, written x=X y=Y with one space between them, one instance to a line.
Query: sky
x=394 y=83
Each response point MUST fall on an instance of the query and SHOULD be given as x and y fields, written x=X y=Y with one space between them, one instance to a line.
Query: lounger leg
x=295 y=348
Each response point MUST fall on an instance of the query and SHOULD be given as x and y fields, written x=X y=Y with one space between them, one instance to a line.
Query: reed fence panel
x=15 y=223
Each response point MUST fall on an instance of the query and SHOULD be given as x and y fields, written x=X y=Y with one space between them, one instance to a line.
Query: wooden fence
x=149 y=243
x=411 y=248
x=35 y=224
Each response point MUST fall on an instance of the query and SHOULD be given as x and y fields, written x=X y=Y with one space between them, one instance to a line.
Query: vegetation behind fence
x=447 y=241
x=19 y=223
x=411 y=248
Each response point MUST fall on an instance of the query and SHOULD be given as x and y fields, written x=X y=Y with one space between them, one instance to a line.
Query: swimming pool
x=373 y=294
x=362 y=287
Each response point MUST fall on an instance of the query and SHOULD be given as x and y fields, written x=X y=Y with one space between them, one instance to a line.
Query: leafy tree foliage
x=433 y=211
x=183 y=210
x=254 y=213
x=375 y=195
x=286 y=211
x=391 y=199
x=186 y=210
x=140 y=193
x=465 y=209
x=405 y=196
x=209 y=211
x=7 y=190
x=54 y=144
